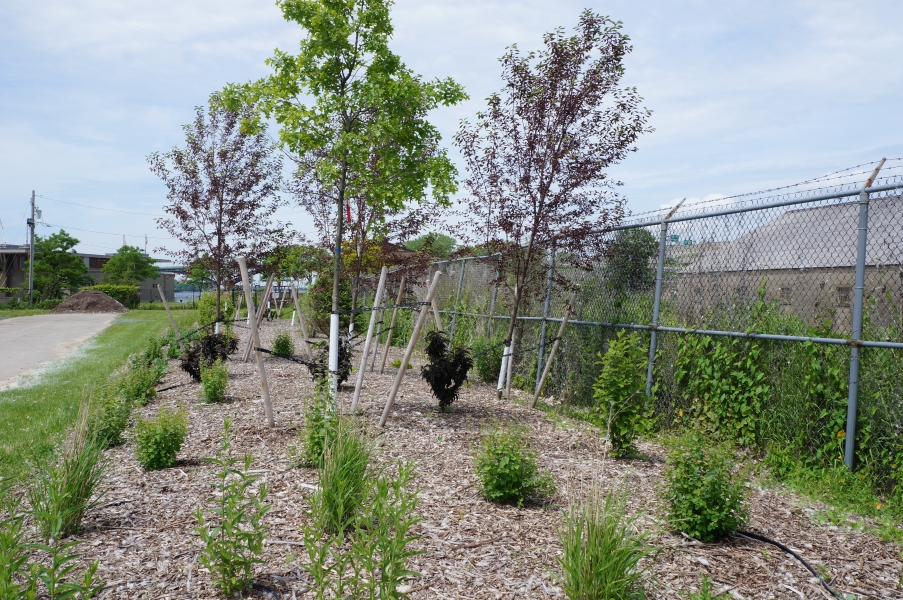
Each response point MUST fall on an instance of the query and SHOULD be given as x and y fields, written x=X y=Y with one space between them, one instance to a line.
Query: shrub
x=487 y=358
x=343 y=478
x=283 y=344
x=320 y=367
x=206 y=307
x=110 y=416
x=213 y=382
x=233 y=531
x=126 y=295
x=600 y=551
x=319 y=422
x=137 y=382
x=158 y=440
x=447 y=369
x=207 y=350
x=396 y=364
x=64 y=490
x=620 y=393
x=508 y=468
x=706 y=498
x=49 y=304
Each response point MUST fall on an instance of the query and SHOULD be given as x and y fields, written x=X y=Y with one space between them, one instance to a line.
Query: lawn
x=34 y=415
x=21 y=312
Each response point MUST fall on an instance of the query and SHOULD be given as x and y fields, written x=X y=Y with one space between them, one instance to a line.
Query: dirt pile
x=89 y=301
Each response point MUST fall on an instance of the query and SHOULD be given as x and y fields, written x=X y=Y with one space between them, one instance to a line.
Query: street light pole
x=31 y=255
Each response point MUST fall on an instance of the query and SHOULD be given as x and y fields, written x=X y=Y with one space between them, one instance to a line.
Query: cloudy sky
x=745 y=95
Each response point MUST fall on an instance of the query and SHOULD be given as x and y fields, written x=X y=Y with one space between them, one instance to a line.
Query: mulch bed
x=143 y=533
x=89 y=301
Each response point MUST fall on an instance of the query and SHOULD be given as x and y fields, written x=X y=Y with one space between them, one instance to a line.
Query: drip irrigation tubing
x=387 y=307
x=761 y=538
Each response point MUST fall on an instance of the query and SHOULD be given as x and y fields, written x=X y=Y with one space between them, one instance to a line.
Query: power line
x=152 y=237
x=100 y=207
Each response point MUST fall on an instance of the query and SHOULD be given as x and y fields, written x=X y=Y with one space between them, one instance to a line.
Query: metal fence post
x=545 y=316
x=657 y=299
x=849 y=448
x=656 y=306
x=451 y=332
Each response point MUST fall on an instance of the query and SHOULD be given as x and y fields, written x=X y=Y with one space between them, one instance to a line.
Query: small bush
x=396 y=364
x=620 y=394
x=65 y=489
x=487 y=358
x=447 y=369
x=319 y=424
x=283 y=344
x=213 y=382
x=601 y=554
x=47 y=304
x=508 y=468
x=232 y=531
x=110 y=416
x=320 y=367
x=136 y=384
x=343 y=478
x=126 y=295
x=706 y=498
x=206 y=307
x=207 y=350
x=158 y=440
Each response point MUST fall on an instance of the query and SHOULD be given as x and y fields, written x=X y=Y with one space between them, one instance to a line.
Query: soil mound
x=89 y=301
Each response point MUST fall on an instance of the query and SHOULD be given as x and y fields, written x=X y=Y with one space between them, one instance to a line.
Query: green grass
x=34 y=416
x=23 y=312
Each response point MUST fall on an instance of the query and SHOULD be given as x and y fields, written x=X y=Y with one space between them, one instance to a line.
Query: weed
x=283 y=344
x=601 y=554
x=15 y=582
x=447 y=368
x=213 y=382
x=64 y=490
x=620 y=393
x=158 y=440
x=233 y=533
x=396 y=364
x=705 y=591
x=342 y=477
x=319 y=422
x=706 y=498
x=487 y=358
x=508 y=468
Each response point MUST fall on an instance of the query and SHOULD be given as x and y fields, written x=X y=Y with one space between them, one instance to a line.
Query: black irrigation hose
x=266 y=590
x=363 y=310
x=761 y=538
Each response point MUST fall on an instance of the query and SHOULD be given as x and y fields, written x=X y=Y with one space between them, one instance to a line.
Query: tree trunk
x=519 y=281
x=337 y=271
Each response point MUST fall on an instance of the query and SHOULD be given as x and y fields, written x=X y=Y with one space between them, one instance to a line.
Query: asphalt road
x=30 y=343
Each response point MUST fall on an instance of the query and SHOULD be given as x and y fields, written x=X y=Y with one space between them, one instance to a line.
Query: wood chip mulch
x=143 y=536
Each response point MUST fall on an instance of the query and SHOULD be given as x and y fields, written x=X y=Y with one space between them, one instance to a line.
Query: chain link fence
x=795 y=295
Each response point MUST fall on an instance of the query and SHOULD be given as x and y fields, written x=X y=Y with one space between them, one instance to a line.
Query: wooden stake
x=436 y=314
x=259 y=317
x=410 y=349
x=510 y=368
x=379 y=333
x=255 y=338
x=237 y=308
x=172 y=321
x=310 y=353
x=366 y=351
x=545 y=371
x=382 y=365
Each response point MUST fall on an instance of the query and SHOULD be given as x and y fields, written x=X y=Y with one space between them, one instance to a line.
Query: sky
x=746 y=95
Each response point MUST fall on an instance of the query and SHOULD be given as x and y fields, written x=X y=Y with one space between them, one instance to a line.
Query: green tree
x=129 y=265
x=434 y=244
x=365 y=126
x=57 y=267
x=630 y=260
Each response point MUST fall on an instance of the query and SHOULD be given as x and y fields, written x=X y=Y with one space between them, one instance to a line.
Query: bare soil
x=143 y=532
x=89 y=301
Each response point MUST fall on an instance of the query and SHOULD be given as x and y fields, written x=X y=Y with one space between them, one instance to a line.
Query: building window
x=843 y=296
x=18 y=262
x=786 y=295
x=97 y=263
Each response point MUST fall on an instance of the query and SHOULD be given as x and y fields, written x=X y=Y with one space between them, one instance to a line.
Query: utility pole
x=31 y=255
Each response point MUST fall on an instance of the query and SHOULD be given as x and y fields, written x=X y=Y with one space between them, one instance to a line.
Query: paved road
x=28 y=343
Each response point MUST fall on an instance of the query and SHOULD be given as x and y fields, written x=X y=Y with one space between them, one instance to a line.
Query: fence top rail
x=751 y=208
